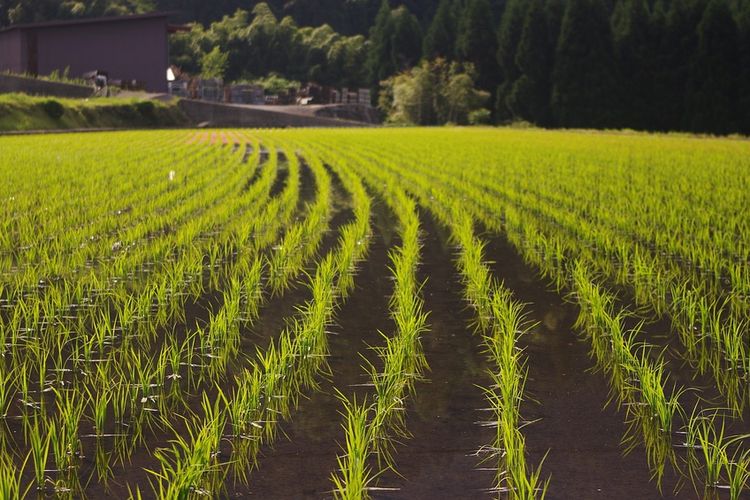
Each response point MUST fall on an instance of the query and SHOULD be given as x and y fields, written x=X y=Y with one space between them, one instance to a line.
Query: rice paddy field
x=392 y=313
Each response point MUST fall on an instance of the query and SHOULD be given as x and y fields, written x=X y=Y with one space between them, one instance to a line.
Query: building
x=131 y=49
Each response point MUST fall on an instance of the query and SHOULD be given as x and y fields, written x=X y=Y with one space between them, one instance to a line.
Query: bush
x=432 y=93
x=145 y=108
x=480 y=117
x=53 y=108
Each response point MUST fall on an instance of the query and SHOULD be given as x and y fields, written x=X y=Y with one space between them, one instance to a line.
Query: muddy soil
x=441 y=459
x=273 y=316
x=574 y=427
x=299 y=464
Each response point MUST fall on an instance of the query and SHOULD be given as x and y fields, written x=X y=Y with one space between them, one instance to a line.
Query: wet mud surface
x=440 y=460
x=572 y=429
x=579 y=435
x=274 y=314
x=300 y=463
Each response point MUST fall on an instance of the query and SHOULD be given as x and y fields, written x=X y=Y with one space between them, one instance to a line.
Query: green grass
x=21 y=112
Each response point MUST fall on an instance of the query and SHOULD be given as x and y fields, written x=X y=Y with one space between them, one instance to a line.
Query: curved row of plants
x=642 y=363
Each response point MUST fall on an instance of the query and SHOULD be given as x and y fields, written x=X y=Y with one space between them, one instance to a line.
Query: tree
x=214 y=63
x=432 y=93
x=508 y=37
x=476 y=41
x=635 y=48
x=459 y=97
x=346 y=58
x=712 y=90
x=406 y=39
x=440 y=40
x=529 y=98
x=584 y=80
x=744 y=87
x=380 y=59
x=678 y=44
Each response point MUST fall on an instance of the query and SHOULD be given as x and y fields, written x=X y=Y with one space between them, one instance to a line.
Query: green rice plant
x=103 y=247
x=715 y=461
x=354 y=476
x=8 y=380
x=514 y=478
x=190 y=466
x=10 y=477
x=40 y=440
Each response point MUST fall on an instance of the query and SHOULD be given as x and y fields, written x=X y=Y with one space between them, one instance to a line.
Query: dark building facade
x=126 y=48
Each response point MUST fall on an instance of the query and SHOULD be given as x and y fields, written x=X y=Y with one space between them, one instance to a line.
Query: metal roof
x=89 y=20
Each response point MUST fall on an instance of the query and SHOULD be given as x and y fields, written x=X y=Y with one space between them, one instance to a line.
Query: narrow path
x=300 y=464
x=440 y=461
x=585 y=459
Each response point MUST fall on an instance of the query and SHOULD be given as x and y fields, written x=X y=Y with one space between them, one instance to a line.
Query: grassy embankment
x=20 y=112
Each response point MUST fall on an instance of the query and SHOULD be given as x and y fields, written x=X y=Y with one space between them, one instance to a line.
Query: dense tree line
x=254 y=44
x=348 y=17
x=644 y=64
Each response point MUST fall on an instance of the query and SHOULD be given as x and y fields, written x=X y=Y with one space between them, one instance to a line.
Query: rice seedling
x=131 y=281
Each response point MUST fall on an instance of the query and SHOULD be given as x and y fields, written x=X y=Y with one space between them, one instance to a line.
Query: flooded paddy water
x=199 y=327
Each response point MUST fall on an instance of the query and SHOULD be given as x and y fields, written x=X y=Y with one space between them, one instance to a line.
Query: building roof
x=89 y=20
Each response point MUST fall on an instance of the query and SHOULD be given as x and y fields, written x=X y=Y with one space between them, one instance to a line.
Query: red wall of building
x=11 y=52
x=132 y=50
x=127 y=49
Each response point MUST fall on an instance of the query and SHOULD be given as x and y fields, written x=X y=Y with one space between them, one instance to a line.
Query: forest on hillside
x=642 y=64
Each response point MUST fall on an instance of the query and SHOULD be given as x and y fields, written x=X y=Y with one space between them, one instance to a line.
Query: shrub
x=480 y=117
x=53 y=108
x=432 y=93
x=145 y=108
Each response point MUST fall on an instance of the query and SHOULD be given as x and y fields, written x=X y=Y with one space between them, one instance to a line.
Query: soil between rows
x=299 y=465
x=273 y=316
x=578 y=433
x=440 y=460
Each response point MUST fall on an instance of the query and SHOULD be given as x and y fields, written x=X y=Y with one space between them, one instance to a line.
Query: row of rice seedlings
x=653 y=411
x=713 y=339
x=716 y=461
x=276 y=216
x=636 y=374
x=494 y=314
x=268 y=391
x=191 y=467
x=372 y=428
x=301 y=240
x=146 y=385
x=727 y=359
x=501 y=320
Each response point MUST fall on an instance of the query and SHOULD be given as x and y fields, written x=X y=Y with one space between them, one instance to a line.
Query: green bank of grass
x=20 y=112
